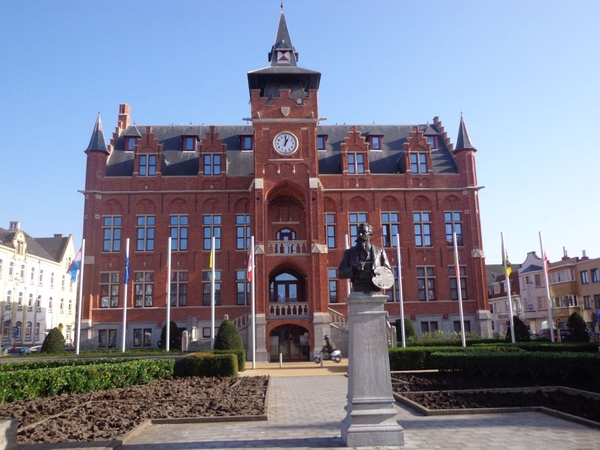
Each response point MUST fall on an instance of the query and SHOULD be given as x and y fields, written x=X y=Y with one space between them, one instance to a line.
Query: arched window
x=285 y=235
x=287 y=288
x=28 y=330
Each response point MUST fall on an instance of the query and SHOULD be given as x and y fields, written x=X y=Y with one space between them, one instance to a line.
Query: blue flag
x=75 y=267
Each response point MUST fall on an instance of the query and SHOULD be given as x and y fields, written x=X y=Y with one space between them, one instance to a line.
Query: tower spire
x=97 y=142
x=463 y=141
x=283 y=52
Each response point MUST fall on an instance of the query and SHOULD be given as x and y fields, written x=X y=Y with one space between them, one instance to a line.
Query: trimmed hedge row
x=561 y=366
x=68 y=379
x=213 y=364
x=34 y=364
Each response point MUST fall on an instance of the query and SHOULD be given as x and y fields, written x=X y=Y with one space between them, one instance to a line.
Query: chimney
x=124 y=116
x=584 y=255
x=14 y=225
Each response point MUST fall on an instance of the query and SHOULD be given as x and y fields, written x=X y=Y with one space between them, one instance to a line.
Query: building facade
x=36 y=290
x=300 y=188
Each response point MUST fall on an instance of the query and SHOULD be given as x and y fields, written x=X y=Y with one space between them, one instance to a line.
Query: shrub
x=211 y=365
x=54 y=342
x=521 y=331
x=577 y=326
x=409 y=330
x=228 y=337
x=175 y=337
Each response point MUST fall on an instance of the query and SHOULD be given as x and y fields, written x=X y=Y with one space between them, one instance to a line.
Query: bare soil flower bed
x=436 y=390
x=111 y=414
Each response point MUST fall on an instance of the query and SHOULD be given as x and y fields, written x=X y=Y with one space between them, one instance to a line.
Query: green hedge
x=34 y=364
x=26 y=384
x=211 y=364
x=563 y=366
x=241 y=357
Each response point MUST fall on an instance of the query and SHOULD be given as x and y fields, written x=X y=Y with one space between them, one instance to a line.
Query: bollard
x=280 y=360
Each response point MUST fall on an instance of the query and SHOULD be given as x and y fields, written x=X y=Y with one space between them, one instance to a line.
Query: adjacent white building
x=36 y=293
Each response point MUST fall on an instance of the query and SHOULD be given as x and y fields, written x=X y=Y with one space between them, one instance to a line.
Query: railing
x=241 y=320
x=298 y=309
x=287 y=247
x=338 y=320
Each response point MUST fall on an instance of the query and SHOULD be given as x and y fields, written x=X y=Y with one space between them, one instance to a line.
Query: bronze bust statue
x=365 y=264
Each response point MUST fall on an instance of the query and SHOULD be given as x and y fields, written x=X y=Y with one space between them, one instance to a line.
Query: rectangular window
x=246 y=142
x=321 y=142
x=422 y=225
x=391 y=227
x=242 y=231
x=243 y=287
x=453 y=224
x=130 y=144
x=584 y=277
x=429 y=327
x=206 y=287
x=142 y=337
x=587 y=302
x=375 y=142
x=211 y=226
x=457 y=326
x=355 y=219
x=432 y=141
x=109 y=289
x=145 y=233
x=107 y=338
x=189 y=143
x=143 y=286
x=179 y=233
x=537 y=280
x=562 y=276
x=212 y=164
x=453 y=284
x=418 y=163
x=565 y=301
x=179 y=287
x=426 y=283
x=356 y=163
x=147 y=165
x=333 y=291
x=595 y=276
x=597 y=301
x=111 y=232
x=330 y=229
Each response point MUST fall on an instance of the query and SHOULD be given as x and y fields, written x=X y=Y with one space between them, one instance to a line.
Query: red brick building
x=300 y=188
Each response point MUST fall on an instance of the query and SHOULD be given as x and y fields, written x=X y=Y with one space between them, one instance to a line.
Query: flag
x=75 y=267
x=546 y=263
x=506 y=267
x=126 y=272
x=250 y=264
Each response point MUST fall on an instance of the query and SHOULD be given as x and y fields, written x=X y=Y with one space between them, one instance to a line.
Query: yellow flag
x=506 y=268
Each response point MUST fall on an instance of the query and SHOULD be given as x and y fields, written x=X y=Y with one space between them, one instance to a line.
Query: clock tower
x=291 y=254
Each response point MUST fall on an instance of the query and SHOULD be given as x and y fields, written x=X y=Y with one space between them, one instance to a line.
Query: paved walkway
x=306 y=407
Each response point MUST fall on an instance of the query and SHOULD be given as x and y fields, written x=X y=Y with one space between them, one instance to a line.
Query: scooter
x=335 y=355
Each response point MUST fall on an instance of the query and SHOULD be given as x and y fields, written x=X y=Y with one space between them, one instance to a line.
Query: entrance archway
x=291 y=341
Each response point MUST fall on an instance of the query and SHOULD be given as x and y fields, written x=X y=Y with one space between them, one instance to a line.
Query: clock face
x=285 y=143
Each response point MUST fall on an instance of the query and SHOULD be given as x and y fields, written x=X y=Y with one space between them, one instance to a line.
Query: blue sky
x=523 y=72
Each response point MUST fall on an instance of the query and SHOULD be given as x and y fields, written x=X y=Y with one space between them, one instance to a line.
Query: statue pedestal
x=370 y=419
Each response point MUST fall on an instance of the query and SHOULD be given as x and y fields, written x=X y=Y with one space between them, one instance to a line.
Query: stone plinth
x=371 y=417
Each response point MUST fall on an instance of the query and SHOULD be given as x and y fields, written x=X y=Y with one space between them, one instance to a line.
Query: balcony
x=297 y=309
x=287 y=247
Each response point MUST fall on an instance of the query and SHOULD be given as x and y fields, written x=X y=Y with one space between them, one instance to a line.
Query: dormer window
x=418 y=162
x=322 y=142
x=432 y=140
x=189 y=143
x=284 y=56
x=246 y=142
x=130 y=144
x=375 y=142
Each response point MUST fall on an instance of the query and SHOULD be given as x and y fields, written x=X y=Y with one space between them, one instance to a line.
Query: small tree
x=228 y=337
x=54 y=342
x=409 y=330
x=577 y=327
x=175 y=337
x=521 y=331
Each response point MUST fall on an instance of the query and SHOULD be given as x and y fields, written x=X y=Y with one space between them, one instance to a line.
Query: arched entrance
x=291 y=341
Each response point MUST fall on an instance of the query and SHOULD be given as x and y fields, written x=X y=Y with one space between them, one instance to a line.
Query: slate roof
x=51 y=248
x=177 y=162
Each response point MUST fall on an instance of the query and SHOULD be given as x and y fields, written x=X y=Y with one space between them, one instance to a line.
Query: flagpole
x=459 y=289
x=253 y=301
x=348 y=280
x=168 y=276
x=400 y=294
x=507 y=276
x=212 y=293
x=125 y=282
x=546 y=280
x=80 y=300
